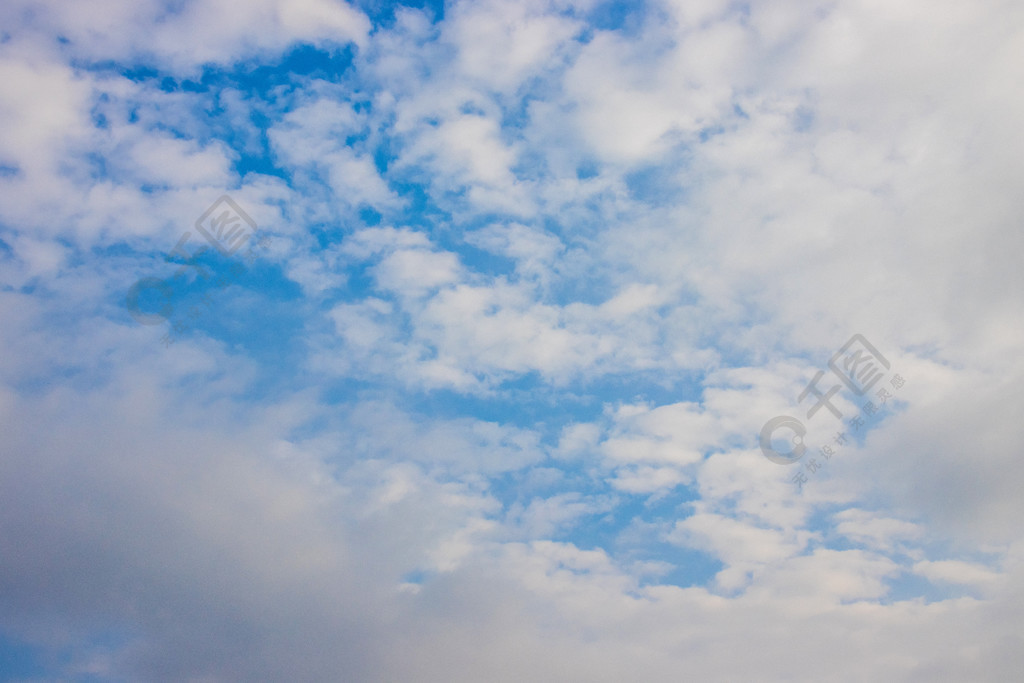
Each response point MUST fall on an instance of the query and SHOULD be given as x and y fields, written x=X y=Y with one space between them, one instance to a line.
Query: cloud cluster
x=487 y=406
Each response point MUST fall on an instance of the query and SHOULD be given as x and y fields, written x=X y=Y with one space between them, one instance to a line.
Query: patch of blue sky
x=858 y=427
x=327 y=234
x=384 y=153
x=21 y=661
x=260 y=162
x=650 y=388
x=581 y=290
x=24 y=661
x=626 y=18
x=416 y=184
x=524 y=401
x=6 y=251
x=480 y=261
x=419 y=209
x=632 y=528
x=913 y=587
x=705 y=134
x=256 y=76
x=821 y=521
x=530 y=401
x=370 y=217
x=587 y=169
x=417 y=576
x=251 y=307
x=657 y=185
x=268 y=90
x=382 y=14
x=684 y=567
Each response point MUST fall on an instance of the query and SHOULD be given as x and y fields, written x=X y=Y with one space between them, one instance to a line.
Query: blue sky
x=479 y=396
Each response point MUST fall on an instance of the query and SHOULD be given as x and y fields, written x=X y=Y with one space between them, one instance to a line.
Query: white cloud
x=313 y=138
x=190 y=34
x=546 y=517
x=534 y=251
x=954 y=571
x=417 y=271
x=647 y=479
x=42 y=107
x=499 y=44
x=876 y=532
x=737 y=542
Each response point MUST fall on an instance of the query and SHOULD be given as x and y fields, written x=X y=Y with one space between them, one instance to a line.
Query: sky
x=450 y=341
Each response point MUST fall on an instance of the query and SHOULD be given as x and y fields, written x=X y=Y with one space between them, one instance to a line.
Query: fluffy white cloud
x=189 y=34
